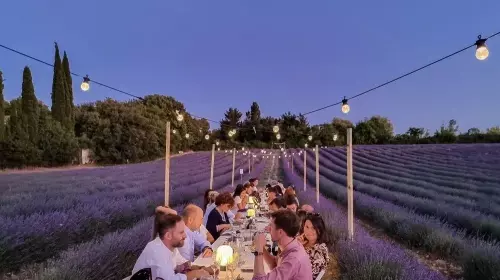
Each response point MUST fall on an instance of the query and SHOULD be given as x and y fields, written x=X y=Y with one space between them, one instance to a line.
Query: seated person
x=218 y=220
x=241 y=197
x=291 y=202
x=293 y=262
x=272 y=193
x=308 y=208
x=193 y=217
x=313 y=238
x=161 y=254
x=277 y=204
x=210 y=205
x=203 y=232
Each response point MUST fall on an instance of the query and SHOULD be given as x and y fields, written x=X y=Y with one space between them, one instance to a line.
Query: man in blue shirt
x=193 y=217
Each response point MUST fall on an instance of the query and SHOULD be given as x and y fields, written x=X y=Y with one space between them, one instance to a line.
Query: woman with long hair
x=313 y=237
x=241 y=197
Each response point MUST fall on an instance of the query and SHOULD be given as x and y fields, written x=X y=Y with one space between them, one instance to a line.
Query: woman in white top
x=241 y=197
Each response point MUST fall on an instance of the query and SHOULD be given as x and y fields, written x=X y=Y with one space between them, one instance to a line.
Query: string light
x=345 y=106
x=278 y=136
x=481 y=50
x=335 y=136
x=207 y=137
x=180 y=117
x=217 y=143
x=85 y=86
x=187 y=135
x=276 y=129
x=482 y=53
x=174 y=131
x=305 y=145
x=310 y=138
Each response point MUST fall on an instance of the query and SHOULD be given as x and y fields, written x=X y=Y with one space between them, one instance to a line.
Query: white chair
x=320 y=275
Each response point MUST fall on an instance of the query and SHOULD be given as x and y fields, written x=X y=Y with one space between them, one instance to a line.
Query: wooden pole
x=234 y=163
x=350 y=188
x=212 y=167
x=292 y=163
x=305 y=168
x=249 y=164
x=167 y=164
x=317 y=174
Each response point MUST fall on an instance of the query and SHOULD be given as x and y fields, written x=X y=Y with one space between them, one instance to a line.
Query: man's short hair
x=273 y=190
x=252 y=180
x=164 y=223
x=279 y=202
x=291 y=199
x=190 y=211
x=287 y=221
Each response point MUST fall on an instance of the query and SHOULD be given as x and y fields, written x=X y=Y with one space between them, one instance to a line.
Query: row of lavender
x=109 y=199
x=366 y=257
x=479 y=259
x=474 y=216
x=115 y=253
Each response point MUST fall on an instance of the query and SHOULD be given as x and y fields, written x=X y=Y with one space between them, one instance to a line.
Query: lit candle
x=224 y=255
x=251 y=212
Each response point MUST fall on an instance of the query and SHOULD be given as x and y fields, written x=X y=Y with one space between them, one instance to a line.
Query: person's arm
x=270 y=259
x=202 y=244
x=210 y=238
x=282 y=272
x=195 y=274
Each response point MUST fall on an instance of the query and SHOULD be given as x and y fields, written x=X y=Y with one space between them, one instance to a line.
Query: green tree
x=68 y=86
x=473 y=131
x=29 y=106
x=58 y=89
x=232 y=120
x=447 y=134
x=495 y=130
x=2 y=110
x=341 y=126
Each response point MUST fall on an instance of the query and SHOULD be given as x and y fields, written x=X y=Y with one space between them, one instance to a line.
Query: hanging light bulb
x=345 y=106
x=207 y=137
x=276 y=129
x=310 y=138
x=218 y=149
x=278 y=136
x=481 y=50
x=85 y=86
x=217 y=143
x=314 y=149
x=174 y=131
x=230 y=133
x=187 y=135
x=335 y=137
x=242 y=148
x=180 y=117
x=305 y=145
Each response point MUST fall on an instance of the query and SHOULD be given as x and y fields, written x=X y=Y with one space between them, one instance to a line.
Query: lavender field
x=443 y=200
x=59 y=224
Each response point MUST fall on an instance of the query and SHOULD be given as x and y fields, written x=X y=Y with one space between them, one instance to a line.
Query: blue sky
x=286 y=55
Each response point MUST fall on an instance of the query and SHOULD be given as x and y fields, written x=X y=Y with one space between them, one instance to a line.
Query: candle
x=224 y=255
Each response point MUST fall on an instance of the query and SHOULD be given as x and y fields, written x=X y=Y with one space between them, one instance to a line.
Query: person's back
x=296 y=259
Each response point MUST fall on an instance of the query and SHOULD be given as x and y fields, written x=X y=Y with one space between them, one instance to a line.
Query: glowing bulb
x=310 y=138
x=187 y=135
x=276 y=129
x=305 y=145
x=180 y=117
x=217 y=143
x=218 y=149
x=481 y=50
x=243 y=148
x=174 y=131
x=335 y=137
x=345 y=106
x=278 y=136
x=85 y=86
x=207 y=137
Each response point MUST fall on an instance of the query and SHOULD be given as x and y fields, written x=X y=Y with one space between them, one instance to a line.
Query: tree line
x=32 y=134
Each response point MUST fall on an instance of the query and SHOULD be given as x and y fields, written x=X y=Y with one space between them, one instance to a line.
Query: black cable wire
x=304 y=114
x=397 y=78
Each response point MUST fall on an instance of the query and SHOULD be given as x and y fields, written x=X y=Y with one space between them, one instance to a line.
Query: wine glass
x=231 y=266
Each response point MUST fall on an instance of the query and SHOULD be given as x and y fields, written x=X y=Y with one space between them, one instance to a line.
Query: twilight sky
x=287 y=55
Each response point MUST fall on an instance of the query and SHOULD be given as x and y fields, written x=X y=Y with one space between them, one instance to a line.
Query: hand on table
x=225 y=227
x=194 y=274
x=207 y=253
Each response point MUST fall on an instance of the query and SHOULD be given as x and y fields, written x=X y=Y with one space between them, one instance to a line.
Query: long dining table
x=245 y=270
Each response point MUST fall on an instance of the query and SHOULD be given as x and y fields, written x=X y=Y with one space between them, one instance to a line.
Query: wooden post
x=292 y=163
x=317 y=174
x=212 y=167
x=249 y=164
x=167 y=164
x=350 y=188
x=234 y=163
x=305 y=168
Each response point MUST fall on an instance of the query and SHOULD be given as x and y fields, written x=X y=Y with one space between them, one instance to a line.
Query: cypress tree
x=58 y=94
x=2 y=110
x=68 y=93
x=29 y=106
